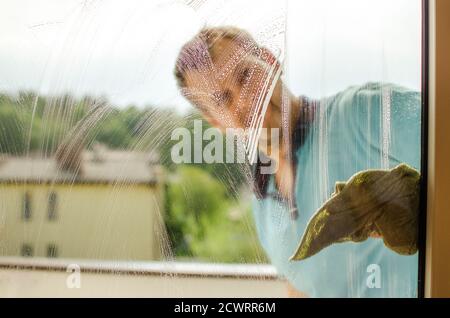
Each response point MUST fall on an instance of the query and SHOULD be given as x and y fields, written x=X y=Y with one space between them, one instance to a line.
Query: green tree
x=12 y=138
x=199 y=222
x=113 y=131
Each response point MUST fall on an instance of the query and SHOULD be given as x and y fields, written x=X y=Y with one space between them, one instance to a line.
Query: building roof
x=98 y=166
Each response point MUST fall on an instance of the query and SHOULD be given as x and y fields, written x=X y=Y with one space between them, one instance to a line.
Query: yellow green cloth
x=372 y=202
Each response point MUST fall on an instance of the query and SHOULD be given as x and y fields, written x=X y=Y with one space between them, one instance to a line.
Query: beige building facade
x=110 y=208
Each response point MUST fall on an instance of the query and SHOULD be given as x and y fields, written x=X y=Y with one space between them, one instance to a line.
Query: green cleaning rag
x=380 y=203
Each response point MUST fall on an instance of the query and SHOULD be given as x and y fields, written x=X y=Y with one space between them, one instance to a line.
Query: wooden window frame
x=436 y=258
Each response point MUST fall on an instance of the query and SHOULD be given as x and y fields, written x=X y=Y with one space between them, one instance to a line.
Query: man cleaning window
x=338 y=218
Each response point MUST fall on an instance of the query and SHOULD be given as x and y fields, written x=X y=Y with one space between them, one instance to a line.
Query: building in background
x=100 y=204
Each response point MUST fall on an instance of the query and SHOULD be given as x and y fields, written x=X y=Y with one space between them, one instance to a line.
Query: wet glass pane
x=273 y=143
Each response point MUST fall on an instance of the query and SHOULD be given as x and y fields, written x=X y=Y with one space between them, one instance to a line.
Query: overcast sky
x=125 y=50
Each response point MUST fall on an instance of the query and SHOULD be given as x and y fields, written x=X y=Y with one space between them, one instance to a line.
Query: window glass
x=52 y=206
x=52 y=250
x=26 y=206
x=281 y=133
x=26 y=250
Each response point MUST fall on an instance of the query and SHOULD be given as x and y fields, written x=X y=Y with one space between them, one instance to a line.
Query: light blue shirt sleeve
x=370 y=126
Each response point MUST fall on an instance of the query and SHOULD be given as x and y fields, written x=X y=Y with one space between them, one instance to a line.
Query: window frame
x=434 y=255
x=436 y=258
x=422 y=220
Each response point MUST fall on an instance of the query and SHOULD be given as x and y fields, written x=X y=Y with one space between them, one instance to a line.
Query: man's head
x=227 y=76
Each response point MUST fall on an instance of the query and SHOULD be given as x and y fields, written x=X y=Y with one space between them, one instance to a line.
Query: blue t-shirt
x=364 y=127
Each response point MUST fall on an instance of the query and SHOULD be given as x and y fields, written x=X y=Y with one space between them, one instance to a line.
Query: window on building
x=52 y=251
x=52 y=206
x=26 y=206
x=26 y=250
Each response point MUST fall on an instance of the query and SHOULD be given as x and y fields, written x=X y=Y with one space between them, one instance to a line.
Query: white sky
x=126 y=50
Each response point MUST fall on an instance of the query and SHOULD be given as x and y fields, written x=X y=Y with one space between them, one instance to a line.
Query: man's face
x=230 y=89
